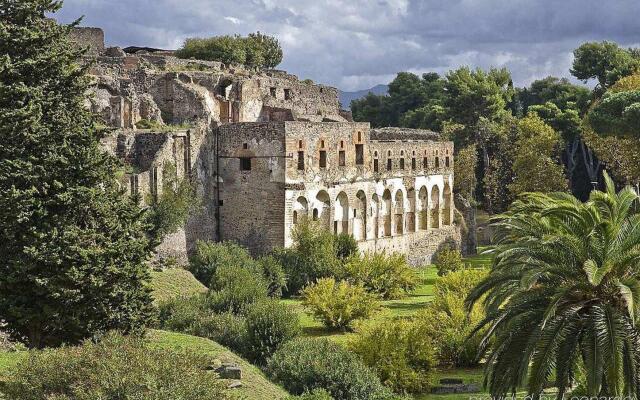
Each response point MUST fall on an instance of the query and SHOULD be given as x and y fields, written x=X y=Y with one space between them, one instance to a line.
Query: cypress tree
x=73 y=247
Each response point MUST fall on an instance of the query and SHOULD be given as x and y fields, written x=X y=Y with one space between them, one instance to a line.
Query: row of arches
x=374 y=216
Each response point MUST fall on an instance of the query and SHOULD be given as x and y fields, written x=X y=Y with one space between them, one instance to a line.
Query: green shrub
x=269 y=324
x=315 y=394
x=302 y=365
x=256 y=50
x=209 y=256
x=116 y=368
x=388 y=275
x=345 y=246
x=234 y=288
x=449 y=260
x=338 y=304
x=449 y=324
x=228 y=329
x=180 y=313
x=311 y=257
x=400 y=354
x=274 y=274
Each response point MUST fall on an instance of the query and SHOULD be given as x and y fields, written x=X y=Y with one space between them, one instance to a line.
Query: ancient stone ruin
x=266 y=150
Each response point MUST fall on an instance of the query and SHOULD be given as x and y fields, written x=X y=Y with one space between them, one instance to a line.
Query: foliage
x=302 y=365
x=535 y=167
x=617 y=113
x=233 y=289
x=449 y=260
x=466 y=162
x=74 y=246
x=273 y=273
x=449 y=324
x=400 y=354
x=558 y=91
x=345 y=246
x=180 y=313
x=387 y=275
x=171 y=208
x=256 y=50
x=564 y=290
x=226 y=328
x=117 y=367
x=209 y=256
x=315 y=394
x=338 y=304
x=312 y=256
x=604 y=61
x=270 y=324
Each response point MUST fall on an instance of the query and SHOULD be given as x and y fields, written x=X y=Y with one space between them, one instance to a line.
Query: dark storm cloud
x=357 y=44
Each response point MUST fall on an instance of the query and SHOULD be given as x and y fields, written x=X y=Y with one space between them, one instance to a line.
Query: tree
x=465 y=172
x=73 y=245
x=534 y=165
x=256 y=50
x=563 y=295
x=375 y=109
x=604 y=61
x=559 y=91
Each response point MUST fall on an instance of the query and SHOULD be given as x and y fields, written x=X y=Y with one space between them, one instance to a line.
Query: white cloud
x=358 y=43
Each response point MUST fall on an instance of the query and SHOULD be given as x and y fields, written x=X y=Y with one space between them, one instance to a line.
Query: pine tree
x=72 y=246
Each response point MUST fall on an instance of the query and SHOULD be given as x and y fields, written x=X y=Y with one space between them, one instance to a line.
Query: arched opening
x=322 y=212
x=300 y=209
x=411 y=212
x=435 y=207
x=360 y=217
x=386 y=212
x=423 y=219
x=341 y=220
x=399 y=213
x=375 y=213
x=447 y=211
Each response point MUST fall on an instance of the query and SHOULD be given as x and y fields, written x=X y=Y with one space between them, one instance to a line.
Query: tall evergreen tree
x=72 y=245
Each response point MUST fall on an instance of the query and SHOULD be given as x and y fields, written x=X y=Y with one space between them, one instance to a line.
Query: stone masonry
x=266 y=150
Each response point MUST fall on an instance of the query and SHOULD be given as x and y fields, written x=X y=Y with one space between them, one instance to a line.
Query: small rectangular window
x=375 y=165
x=359 y=154
x=287 y=94
x=341 y=158
x=323 y=159
x=272 y=91
x=389 y=164
x=245 y=164
x=413 y=163
x=446 y=162
x=402 y=163
x=301 y=160
x=425 y=163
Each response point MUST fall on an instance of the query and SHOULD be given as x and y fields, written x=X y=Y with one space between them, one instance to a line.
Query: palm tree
x=563 y=295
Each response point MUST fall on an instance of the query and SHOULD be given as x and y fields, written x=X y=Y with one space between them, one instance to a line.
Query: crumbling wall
x=93 y=38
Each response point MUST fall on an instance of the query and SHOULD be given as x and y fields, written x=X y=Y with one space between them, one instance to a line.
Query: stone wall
x=93 y=38
x=252 y=194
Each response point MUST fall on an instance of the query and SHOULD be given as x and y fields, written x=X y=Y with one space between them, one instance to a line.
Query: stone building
x=266 y=150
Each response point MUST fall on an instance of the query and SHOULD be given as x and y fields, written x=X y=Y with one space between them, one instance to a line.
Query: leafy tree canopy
x=73 y=245
x=604 y=61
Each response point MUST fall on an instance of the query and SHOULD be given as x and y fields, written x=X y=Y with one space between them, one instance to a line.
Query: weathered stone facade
x=266 y=150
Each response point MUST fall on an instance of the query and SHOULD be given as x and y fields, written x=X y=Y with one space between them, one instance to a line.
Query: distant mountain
x=347 y=97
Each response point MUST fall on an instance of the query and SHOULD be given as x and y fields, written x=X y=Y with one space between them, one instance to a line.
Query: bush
x=269 y=325
x=116 y=368
x=400 y=354
x=303 y=365
x=233 y=288
x=180 y=313
x=387 y=275
x=449 y=260
x=345 y=246
x=449 y=324
x=274 y=274
x=315 y=394
x=228 y=329
x=337 y=304
x=209 y=256
x=311 y=257
x=256 y=50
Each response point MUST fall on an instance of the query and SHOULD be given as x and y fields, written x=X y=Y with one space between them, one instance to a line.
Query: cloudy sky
x=357 y=44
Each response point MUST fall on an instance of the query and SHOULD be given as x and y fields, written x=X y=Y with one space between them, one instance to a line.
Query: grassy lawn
x=174 y=282
x=9 y=359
